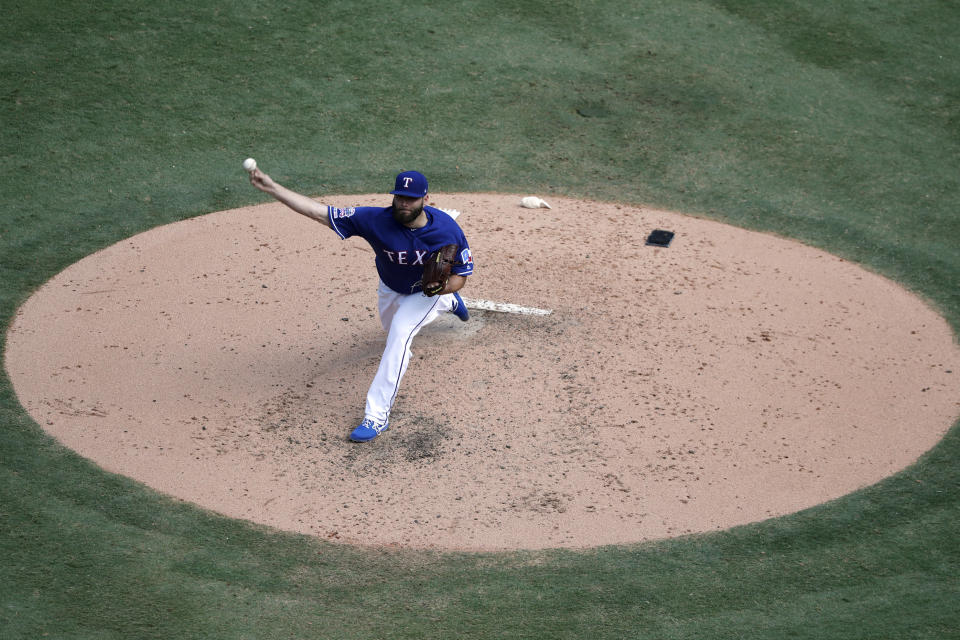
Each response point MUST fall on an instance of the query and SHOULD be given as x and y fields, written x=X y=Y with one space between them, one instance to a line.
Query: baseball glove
x=436 y=270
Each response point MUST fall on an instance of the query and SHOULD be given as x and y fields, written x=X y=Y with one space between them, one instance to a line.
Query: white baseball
x=249 y=164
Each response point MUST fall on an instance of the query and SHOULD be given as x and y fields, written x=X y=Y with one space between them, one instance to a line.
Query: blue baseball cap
x=412 y=184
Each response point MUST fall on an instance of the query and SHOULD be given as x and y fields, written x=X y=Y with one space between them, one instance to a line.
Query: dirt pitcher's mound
x=729 y=378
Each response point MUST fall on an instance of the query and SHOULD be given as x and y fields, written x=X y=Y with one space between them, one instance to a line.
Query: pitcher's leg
x=411 y=314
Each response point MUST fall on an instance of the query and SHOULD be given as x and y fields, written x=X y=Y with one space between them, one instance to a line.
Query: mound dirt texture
x=729 y=378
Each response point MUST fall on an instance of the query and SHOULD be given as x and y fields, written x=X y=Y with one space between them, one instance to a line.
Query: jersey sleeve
x=343 y=220
x=465 y=261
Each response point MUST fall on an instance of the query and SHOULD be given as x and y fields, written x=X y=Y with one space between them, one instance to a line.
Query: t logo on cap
x=412 y=184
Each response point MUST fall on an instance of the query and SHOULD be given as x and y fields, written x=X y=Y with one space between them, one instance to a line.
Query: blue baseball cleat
x=368 y=430
x=460 y=309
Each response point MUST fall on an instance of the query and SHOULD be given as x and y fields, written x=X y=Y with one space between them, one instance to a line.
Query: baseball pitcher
x=423 y=260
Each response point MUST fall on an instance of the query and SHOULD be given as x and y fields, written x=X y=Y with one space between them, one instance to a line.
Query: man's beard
x=406 y=217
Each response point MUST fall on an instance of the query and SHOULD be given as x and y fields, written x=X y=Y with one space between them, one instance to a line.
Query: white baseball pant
x=402 y=316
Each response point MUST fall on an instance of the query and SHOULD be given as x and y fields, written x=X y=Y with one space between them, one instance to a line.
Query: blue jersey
x=401 y=251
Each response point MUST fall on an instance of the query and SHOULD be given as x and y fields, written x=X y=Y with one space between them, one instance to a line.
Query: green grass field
x=834 y=123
